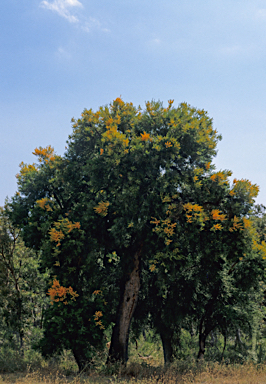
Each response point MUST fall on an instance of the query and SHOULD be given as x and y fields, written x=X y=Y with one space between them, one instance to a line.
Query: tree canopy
x=135 y=191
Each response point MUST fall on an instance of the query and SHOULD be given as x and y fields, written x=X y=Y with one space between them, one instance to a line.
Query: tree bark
x=225 y=340
x=119 y=342
x=81 y=360
x=167 y=348
x=202 y=342
x=238 y=341
x=203 y=334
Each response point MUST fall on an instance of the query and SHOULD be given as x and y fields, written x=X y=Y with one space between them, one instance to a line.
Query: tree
x=208 y=235
x=100 y=198
x=21 y=286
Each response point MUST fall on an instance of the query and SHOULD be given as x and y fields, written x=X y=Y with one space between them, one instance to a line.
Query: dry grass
x=231 y=374
x=141 y=374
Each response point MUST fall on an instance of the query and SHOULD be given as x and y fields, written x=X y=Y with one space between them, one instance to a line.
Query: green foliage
x=140 y=182
x=99 y=198
x=22 y=288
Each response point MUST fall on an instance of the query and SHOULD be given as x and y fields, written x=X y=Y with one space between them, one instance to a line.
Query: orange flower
x=247 y=222
x=119 y=101
x=155 y=221
x=145 y=136
x=58 y=293
x=102 y=208
x=216 y=227
x=237 y=225
x=168 y=144
x=217 y=216
x=97 y=315
x=97 y=292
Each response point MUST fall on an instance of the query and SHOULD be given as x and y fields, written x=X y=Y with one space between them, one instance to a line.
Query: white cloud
x=93 y=23
x=62 y=8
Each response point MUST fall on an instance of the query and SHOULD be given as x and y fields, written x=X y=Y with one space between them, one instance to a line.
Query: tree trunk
x=167 y=348
x=119 y=342
x=81 y=360
x=239 y=343
x=225 y=340
x=203 y=334
x=202 y=342
x=254 y=344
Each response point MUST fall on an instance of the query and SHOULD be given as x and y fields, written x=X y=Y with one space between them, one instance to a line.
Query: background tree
x=208 y=236
x=22 y=287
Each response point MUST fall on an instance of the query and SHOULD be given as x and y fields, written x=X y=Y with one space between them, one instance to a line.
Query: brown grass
x=141 y=374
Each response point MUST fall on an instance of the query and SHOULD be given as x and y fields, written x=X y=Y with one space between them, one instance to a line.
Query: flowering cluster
x=102 y=208
x=44 y=204
x=44 y=154
x=61 y=228
x=59 y=293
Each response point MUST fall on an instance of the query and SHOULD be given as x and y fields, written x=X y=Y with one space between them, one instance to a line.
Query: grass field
x=145 y=374
x=145 y=366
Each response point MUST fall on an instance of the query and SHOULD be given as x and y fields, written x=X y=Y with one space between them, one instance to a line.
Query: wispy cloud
x=93 y=23
x=62 y=8
x=261 y=14
x=62 y=53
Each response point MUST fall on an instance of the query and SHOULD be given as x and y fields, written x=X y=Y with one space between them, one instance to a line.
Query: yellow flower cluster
x=61 y=228
x=119 y=101
x=216 y=227
x=247 y=187
x=44 y=154
x=112 y=135
x=44 y=204
x=246 y=222
x=59 y=293
x=98 y=322
x=220 y=177
x=24 y=169
x=145 y=136
x=194 y=212
x=155 y=221
x=237 y=225
x=56 y=236
x=216 y=215
x=102 y=208
x=97 y=292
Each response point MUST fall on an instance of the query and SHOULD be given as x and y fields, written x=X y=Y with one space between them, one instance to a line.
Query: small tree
x=22 y=286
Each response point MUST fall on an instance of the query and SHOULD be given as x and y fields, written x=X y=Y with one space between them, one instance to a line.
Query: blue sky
x=58 y=57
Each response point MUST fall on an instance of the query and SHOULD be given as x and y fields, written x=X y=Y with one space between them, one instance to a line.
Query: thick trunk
x=167 y=348
x=202 y=342
x=81 y=360
x=203 y=334
x=119 y=343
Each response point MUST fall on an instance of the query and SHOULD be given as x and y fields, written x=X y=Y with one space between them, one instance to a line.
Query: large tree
x=99 y=201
